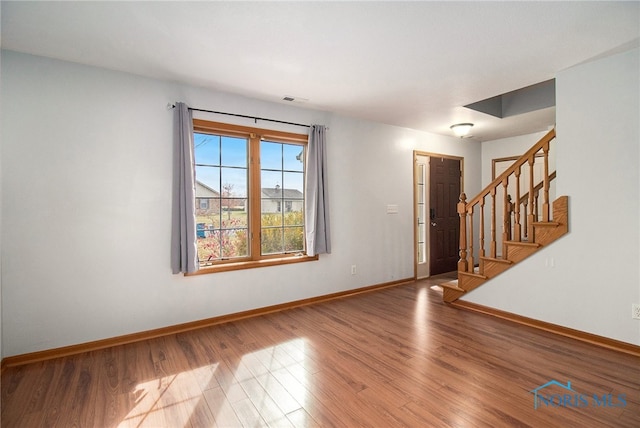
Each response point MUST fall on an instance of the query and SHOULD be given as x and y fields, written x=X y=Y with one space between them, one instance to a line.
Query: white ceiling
x=410 y=64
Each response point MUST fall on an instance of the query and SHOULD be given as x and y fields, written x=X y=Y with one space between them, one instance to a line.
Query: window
x=247 y=176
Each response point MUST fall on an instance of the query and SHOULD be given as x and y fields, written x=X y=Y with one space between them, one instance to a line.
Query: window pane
x=209 y=179
x=207 y=200
x=233 y=243
x=234 y=151
x=293 y=218
x=222 y=244
x=293 y=157
x=273 y=218
x=208 y=211
x=294 y=185
x=270 y=155
x=206 y=250
x=221 y=197
x=233 y=218
x=206 y=149
x=282 y=202
x=271 y=182
x=272 y=241
x=234 y=182
x=293 y=239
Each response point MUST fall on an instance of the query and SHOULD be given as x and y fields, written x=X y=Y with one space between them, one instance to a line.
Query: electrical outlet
x=353 y=269
x=635 y=311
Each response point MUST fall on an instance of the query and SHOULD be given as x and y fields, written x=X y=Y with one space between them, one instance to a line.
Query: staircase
x=528 y=224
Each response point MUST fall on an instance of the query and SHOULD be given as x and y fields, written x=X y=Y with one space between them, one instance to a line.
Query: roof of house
x=278 y=192
x=204 y=191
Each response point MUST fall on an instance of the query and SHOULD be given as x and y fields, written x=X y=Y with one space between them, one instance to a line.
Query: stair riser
x=546 y=235
x=517 y=254
x=492 y=269
x=470 y=283
x=543 y=235
x=449 y=295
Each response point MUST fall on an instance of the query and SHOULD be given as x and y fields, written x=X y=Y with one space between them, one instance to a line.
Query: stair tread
x=496 y=260
x=452 y=285
x=474 y=275
x=546 y=223
x=523 y=243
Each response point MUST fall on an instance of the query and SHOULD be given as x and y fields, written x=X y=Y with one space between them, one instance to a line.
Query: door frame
x=429 y=155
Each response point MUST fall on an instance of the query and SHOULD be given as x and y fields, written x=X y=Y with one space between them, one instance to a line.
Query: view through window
x=249 y=193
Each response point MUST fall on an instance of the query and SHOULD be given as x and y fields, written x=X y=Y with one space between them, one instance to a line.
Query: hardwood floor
x=389 y=358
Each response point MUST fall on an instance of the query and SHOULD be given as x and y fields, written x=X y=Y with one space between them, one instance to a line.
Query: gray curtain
x=316 y=194
x=184 y=253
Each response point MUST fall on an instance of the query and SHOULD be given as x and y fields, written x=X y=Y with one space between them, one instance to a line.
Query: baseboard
x=593 y=339
x=34 y=357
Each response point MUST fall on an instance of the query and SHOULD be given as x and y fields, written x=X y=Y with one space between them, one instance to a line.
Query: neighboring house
x=273 y=199
x=207 y=199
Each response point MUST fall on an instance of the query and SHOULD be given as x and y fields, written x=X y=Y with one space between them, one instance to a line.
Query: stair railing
x=524 y=211
x=514 y=209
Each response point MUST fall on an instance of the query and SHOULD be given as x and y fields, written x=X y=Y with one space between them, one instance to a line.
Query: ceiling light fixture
x=461 y=129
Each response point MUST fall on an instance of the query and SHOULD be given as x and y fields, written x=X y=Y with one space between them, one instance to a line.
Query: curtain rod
x=255 y=118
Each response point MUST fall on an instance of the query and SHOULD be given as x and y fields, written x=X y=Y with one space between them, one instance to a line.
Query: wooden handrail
x=518 y=163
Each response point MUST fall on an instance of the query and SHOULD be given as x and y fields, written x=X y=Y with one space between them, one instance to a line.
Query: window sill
x=226 y=267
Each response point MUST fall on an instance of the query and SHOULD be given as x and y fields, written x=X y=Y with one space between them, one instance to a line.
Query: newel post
x=462 y=212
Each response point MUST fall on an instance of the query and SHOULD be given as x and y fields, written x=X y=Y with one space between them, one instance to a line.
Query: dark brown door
x=444 y=237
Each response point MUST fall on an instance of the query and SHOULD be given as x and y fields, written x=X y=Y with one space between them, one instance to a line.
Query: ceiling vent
x=291 y=99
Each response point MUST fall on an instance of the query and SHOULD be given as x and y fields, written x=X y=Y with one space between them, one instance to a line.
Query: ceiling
x=410 y=64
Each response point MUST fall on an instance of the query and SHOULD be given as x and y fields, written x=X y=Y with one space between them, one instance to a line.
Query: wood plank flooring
x=390 y=358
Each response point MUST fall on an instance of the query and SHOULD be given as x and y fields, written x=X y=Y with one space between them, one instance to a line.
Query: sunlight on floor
x=265 y=384
x=179 y=393
x=420 y=318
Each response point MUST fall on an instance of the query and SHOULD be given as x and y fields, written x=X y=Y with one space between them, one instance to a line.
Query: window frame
x=254 y=136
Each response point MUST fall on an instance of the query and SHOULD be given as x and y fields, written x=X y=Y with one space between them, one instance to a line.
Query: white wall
x=86 y=187
x=596 y=275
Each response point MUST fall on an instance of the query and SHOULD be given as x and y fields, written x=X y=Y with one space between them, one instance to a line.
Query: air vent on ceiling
x=291 y=99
